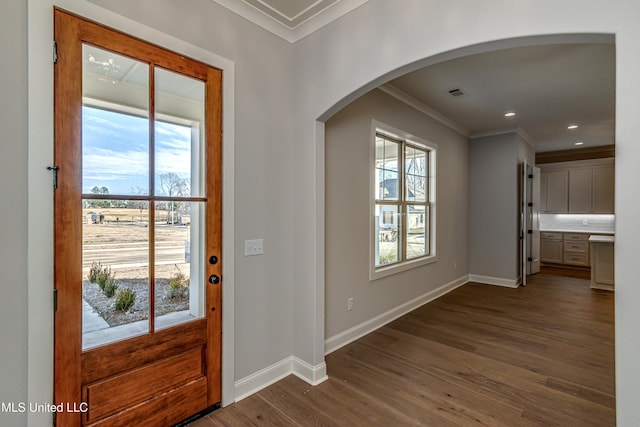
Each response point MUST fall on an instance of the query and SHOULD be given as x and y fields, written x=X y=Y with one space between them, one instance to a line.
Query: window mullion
x=402 y=202
x=152 y=203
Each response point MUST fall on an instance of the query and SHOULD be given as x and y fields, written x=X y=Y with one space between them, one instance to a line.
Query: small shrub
x=94 y=271
x=104 y=275
x=110 y=286
x=125 y=298
x=178 y=285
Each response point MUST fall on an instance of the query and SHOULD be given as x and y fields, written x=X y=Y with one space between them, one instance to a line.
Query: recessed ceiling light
x=571 y=127
x=578 y=143
x=510 y=114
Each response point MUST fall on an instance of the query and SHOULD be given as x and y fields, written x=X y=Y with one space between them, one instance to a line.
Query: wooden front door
x=137 y=230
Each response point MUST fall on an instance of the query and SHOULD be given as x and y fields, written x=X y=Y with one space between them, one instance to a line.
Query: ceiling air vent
x=457 y=93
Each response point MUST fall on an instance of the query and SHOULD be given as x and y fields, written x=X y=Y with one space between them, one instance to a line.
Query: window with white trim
x=403 y=203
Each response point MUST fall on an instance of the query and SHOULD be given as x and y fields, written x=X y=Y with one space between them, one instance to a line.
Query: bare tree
x=172 y=185
x=138 y=204
x=416 y=172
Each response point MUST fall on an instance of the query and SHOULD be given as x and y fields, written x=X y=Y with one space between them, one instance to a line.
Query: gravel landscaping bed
x=92 y=293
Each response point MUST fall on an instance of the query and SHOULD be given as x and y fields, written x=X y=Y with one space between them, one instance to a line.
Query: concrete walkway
x=91 y=320
x=96 y=331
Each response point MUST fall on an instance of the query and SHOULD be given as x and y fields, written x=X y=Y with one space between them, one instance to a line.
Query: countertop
x=601 y=239
x=556 y=230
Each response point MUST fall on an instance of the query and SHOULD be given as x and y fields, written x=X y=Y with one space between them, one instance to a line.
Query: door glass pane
x=115 y=124
x=115 y=270
x=387 y=226
x=417 y=231
x=115 y=161
x=179 y=135
x=179 y=268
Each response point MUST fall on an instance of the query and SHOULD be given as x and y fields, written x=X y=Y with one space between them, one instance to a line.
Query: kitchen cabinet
x=554 y=197
x=602 y=262
x=551 y=247
x=582 y=187
x=591 y=190
x=580 y=190
x=575 y=249
x=568 y=249
x=603 y=189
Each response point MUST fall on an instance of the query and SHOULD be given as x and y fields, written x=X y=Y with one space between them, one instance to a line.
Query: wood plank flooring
x=481 y=355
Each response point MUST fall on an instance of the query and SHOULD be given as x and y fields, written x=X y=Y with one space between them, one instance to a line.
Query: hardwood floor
x=542 y=355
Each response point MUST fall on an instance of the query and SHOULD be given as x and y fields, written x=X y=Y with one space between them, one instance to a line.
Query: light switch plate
x=253 y=247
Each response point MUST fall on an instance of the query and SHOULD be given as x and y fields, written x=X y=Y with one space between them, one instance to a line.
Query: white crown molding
x=528 y=139
x=288 y=31
x=258 y=17
x=494 y=132
x=404 y=97
x=324 y=17
x=291 y=19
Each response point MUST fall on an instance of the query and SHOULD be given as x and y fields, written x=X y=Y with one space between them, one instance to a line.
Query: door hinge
x=55 y=419
x=54 y=169
x=55 y=301
x=55 y=52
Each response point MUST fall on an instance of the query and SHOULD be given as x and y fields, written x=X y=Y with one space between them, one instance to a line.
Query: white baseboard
x=497 y=281
x=255 y=382
x=333 y=343
x=313 y=375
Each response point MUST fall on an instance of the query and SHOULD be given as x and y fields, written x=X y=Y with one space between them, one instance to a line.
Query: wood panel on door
x=138 y=150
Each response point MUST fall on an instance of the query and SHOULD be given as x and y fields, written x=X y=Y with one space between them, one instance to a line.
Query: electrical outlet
x=350 y=304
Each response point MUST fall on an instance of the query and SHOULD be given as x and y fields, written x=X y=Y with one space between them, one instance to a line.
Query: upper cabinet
x=556 y=192
x=580 y=190
x=603 y=189
x=577 y=187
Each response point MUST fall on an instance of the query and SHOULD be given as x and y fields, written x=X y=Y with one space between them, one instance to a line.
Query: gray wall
x=263 y=199
x=493 y=206
x=347 y=151
x=13 y=218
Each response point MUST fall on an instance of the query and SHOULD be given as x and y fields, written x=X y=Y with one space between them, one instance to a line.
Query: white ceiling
x=549 y=87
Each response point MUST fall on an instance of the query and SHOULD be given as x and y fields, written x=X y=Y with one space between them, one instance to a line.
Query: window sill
x=385 y=271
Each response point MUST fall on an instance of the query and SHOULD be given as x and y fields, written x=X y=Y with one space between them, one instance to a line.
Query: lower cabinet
x=551 y=247
x=570 y=249
x=575 y=249
x=602 y=270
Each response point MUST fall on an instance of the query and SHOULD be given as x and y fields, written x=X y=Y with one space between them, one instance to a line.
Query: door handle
x=214 y=279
